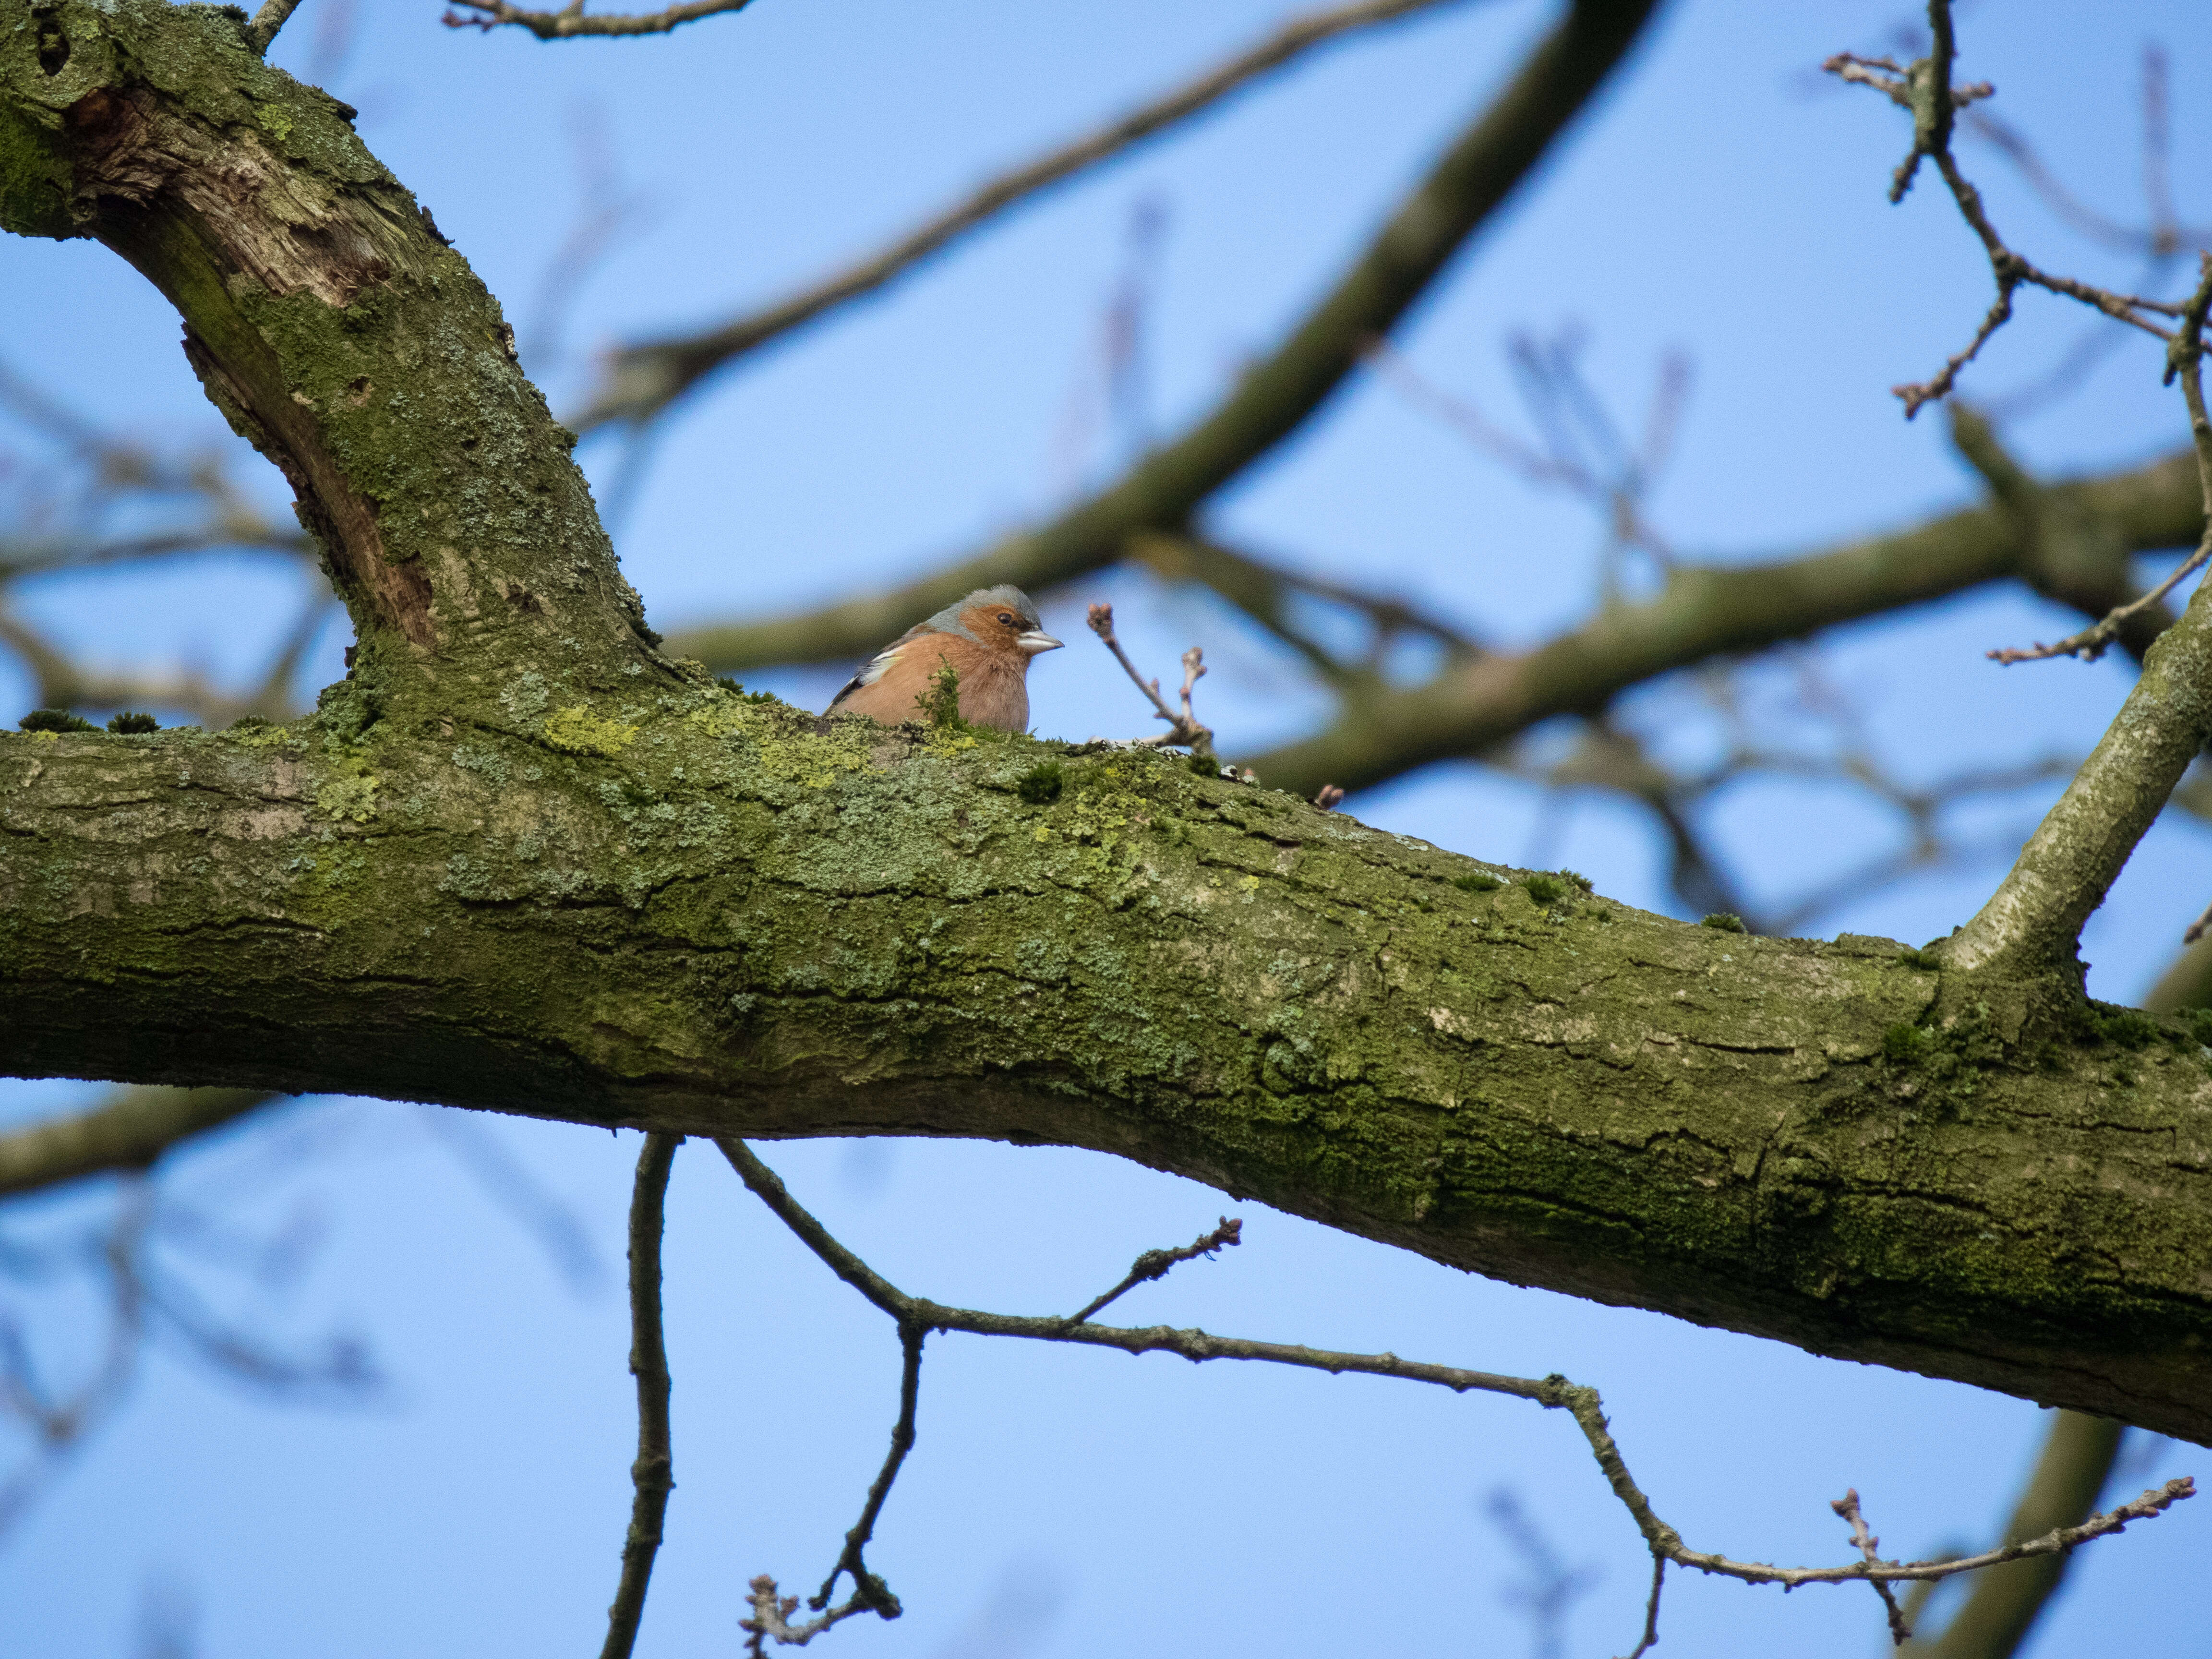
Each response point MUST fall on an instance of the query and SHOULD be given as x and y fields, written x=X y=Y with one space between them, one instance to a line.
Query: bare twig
x=1924 y=88
x=644 y=379
x=652 y=1474
x=915 y=1314
x=1870 y=1547
x=1155 y=1264
x=266 y=21
x=869 y=1590
x=1183 y=728
x=2196 y=928
x=2185 y=356
x=1649 y=1638
x=569 y=21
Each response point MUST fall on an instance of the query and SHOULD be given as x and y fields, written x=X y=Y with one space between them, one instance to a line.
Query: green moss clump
x=1725 y=921
x=55 y=720
x=1579 y=879
x=1040 y=785
x=2130 y=1028
x=940 y=704
x=2199 y=1021
x=740 y=693
x=1477 y=881
x=129 y=724
x=249 y=723
x=1905 y=1045
x=1923 y=959
x=1203 y=765
x=1542 y=888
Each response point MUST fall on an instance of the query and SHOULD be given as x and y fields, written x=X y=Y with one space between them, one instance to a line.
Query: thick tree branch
x=635 y=922
x=1275 y=396
x=641 y=380
x=336 y=329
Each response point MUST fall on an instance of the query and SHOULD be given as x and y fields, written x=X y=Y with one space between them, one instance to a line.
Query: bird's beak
x=1035 y=641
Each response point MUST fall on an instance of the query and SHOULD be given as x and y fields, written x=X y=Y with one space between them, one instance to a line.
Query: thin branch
x=266 y=21
x=2075 y=1464
x=653 y=1473
x=1276 y=394
x=1925 y=88
x=869 y=1590
x=1650 y=1639
x=1706 y=611
x=129 y=1130
x=1554 y=1393
x=569 y=21
x=641 y=381
x=2061 y=875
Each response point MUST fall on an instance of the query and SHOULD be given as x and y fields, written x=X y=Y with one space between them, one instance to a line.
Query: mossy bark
x=517 y=860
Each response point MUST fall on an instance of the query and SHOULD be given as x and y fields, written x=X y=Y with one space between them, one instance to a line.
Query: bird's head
x=1001 y=618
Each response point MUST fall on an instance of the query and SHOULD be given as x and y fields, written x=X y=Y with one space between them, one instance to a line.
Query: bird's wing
x=875 y=667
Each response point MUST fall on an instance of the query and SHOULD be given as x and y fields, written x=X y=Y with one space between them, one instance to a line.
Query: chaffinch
x=987 y=638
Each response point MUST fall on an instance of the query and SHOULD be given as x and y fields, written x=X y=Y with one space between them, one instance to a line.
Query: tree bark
x=520 y=860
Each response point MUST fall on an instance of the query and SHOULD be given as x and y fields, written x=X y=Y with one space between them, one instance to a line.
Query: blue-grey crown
x=947 y=620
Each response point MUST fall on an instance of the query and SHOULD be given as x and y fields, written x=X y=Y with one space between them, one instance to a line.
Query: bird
x=987 y=639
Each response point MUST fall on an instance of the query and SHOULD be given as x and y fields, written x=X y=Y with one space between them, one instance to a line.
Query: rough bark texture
x=517 y=861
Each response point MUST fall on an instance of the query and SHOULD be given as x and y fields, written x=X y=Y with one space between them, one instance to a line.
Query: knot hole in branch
x=53 y=45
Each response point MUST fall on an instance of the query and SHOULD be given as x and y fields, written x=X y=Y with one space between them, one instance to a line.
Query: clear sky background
x=1721 y=201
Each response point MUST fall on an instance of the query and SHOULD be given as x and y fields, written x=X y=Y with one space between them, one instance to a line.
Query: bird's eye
x=1005 y=621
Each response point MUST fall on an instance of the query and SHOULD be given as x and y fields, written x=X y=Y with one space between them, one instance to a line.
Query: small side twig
x=1184 y=728
x=652 y=1476
x=1650 y=1639
x=1155 y=1264
x=1870 y=1547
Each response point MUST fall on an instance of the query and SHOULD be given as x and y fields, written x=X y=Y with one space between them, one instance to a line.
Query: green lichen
x=580 y=732
x=349 y=797
x=1725 y=921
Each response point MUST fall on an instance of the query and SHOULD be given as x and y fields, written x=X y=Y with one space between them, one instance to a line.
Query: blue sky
x=1722 y=201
